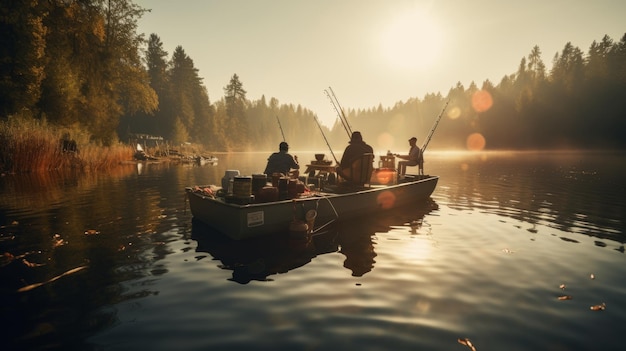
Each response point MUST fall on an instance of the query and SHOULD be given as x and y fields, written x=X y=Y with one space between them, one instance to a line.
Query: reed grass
x=31 y=145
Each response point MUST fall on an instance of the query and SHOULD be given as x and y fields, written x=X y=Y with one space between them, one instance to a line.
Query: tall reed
x=30 y=145
x=95 y=157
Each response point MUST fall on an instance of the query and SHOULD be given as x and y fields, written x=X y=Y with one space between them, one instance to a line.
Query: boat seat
x=420 y=168
x=360 y=172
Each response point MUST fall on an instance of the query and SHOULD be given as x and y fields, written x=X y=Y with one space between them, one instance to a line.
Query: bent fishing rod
x=432 y=131
x=329 y=148
x=346 y=128
x=281 y=129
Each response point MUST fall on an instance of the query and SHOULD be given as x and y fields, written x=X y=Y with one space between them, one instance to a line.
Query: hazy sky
x=370 y=52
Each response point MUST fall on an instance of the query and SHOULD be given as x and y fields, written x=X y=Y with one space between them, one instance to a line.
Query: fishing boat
x=204 y=160
x=245 y=216
x=241 y=213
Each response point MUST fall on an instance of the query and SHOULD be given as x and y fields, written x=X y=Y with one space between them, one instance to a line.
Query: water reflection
x=570 y=191
x=260 y=258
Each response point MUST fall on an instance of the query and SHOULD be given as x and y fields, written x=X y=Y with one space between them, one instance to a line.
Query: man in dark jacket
x=355 y=150
x=281 y=161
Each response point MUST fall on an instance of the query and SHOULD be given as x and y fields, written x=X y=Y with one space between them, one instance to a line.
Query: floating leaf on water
x=562 y=286
x=30 y=264
x=466 y=342
x=91 y=232
x=565 y=297
x=58 y=241
x=600 y=307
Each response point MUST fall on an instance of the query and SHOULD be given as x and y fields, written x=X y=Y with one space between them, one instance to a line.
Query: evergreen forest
x=83 y=64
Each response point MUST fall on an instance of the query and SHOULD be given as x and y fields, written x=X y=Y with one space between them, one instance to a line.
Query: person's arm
x=404 y=157
x=294 y=162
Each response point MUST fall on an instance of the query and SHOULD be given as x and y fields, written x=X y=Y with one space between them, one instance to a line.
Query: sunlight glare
x=413 y=40
x=415 y=250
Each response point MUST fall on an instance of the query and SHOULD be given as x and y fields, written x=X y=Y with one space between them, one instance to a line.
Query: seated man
x=414 y=158
x=281 y=161
x=353 y=152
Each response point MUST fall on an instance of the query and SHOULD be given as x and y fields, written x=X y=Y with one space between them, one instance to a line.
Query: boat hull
x=259 y=219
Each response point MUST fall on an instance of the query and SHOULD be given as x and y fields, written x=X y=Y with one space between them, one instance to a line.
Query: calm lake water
x=512 y=253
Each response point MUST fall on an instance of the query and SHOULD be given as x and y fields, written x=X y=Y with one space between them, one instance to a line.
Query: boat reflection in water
x=260 y=258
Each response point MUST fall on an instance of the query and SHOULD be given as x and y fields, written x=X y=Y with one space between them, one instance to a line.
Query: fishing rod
x=432 y=131
x=329 y=148
x=281 y=128
x=346 y=128
x=341 y=109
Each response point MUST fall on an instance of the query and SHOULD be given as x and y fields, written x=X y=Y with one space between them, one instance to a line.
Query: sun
x=411 y=40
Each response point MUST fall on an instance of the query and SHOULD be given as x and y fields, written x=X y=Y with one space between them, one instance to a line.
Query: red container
x=267 y=194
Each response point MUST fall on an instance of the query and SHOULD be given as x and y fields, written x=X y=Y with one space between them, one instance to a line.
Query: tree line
x=82 y=63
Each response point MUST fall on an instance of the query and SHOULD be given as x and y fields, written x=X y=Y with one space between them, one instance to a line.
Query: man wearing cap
x=414 y=158
x=281 y=161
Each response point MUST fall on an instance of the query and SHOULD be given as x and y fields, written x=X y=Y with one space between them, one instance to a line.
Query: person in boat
x=355 y=150
x=414 y=158
x=282 y=161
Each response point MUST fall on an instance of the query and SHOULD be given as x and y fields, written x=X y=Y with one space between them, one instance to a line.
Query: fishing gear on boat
x=329 y=148
x=281 y=128
x=338 y=111
x=341 y=109
x=432 y=131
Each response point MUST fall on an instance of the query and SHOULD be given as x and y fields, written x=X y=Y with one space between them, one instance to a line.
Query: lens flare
x=454 y=113
x=482 y=101
x=476 y=142
x=385 y=176
x=386 y=140
x=386 y=200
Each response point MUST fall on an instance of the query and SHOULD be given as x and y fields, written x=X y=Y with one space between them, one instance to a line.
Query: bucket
x=300 y=188
x=267 y=194
x=275 y=178
x=388 y=161
x=242 y=186
x=292 y=188
x=228 y=175
x=258 y=182
x=283 y=187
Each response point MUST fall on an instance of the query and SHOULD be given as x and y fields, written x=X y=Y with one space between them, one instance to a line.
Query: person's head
x=356 y=137
x=413 y=140
x=283 y=146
